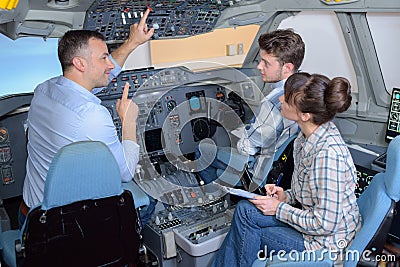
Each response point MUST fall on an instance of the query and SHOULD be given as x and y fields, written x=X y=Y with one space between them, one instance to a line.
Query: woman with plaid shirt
x=323 y=183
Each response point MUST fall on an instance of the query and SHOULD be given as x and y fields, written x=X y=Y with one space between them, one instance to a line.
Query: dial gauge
x=171 y=104
x=3 y=135
x=5 y=154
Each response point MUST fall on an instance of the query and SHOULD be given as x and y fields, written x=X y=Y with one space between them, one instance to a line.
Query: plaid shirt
x=268 y=130
x=323 y=183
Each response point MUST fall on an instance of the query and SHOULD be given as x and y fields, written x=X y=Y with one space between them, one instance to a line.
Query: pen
x=278 y=181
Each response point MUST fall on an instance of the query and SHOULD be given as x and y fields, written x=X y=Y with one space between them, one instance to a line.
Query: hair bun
x=338 y=95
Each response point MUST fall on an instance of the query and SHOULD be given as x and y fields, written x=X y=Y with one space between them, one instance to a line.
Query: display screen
x=393 y=123
x=153 y=140
x=196 y=102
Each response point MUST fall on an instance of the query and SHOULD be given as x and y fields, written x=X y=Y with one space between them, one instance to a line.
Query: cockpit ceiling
x=172 y=19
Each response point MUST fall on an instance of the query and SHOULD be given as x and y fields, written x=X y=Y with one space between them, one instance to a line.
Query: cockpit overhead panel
x=169 y=18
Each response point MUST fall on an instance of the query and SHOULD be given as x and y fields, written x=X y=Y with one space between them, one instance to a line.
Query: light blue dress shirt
x=63 y=112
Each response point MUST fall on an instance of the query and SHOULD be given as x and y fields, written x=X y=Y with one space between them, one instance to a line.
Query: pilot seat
x=85 y=219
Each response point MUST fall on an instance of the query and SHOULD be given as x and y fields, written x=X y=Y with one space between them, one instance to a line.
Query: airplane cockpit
x=196 y=81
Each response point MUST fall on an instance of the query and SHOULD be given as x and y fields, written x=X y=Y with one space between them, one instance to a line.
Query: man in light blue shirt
x=64 y=109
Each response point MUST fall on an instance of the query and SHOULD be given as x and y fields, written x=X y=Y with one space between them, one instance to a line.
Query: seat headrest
x=79 y=171
x=392 y=174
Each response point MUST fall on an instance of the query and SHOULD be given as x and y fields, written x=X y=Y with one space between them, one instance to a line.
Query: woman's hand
x=266 y=204
x=275 y=191
x=269 y=203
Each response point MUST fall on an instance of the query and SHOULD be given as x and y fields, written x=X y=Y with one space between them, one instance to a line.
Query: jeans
x=208 y=164
x=252 y=231
x=146 y=211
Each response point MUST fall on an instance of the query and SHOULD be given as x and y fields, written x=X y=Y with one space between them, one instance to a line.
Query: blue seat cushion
x=393 y=169
x=139 y=196
x=91 y=177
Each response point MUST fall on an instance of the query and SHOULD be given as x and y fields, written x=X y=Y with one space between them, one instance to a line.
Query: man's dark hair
x=72 y=43
x=286 y=45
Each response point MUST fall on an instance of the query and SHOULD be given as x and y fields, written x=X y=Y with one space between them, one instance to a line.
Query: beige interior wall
x=210 y=46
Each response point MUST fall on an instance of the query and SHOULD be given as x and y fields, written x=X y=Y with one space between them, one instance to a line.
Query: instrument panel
x=169 y=18
x=177 y=108
x=13 y=152
x=5 y=157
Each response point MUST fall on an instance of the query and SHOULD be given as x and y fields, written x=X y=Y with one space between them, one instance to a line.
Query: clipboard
x=237 y=192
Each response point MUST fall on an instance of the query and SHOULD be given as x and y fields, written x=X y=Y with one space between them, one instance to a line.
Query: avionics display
x=393 y=123
x=153 y=140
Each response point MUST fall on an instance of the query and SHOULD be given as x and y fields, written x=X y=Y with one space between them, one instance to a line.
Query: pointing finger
x=126 y=91
x=143 y=19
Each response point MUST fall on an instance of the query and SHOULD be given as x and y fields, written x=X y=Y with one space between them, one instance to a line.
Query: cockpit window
x=386 y=37
x=27 y=62
x=32 y=60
